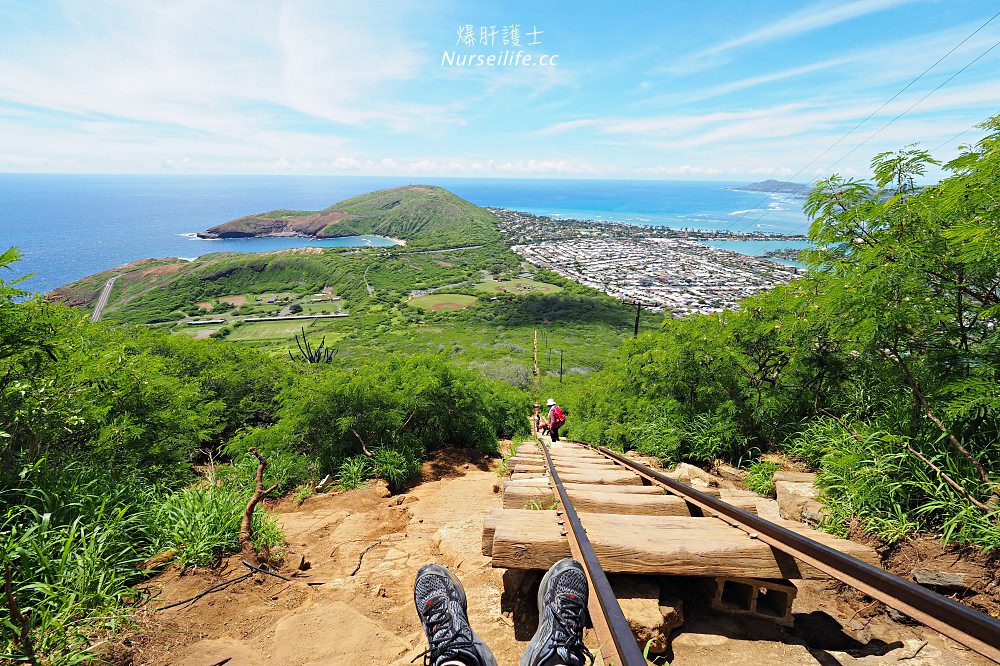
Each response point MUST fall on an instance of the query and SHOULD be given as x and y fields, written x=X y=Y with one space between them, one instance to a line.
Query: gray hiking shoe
x=442 y=607
x=562 y=610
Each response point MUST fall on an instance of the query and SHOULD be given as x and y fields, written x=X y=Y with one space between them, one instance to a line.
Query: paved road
x=102 y=300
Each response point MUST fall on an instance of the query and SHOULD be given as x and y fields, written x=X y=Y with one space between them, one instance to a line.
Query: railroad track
x=617 y=515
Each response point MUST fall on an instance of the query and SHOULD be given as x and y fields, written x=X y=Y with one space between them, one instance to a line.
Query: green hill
x=375 y=301
x=422 y=215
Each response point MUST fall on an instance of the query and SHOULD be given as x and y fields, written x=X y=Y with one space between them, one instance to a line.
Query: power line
x=867 y=118
x=965 y=131
x=884 y=127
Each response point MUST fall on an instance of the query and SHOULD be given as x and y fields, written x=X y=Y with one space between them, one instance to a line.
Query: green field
x=323 y=307
x=269 y=330
x=517 y=286
x=442 y=302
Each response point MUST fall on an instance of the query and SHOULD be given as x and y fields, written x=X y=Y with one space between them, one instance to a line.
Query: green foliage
x=353 y=471
x=203 y=524
x=395 y=466
x=398 y=409
x=303 y=492
x=74 y=535
x=880 y=367
x=535 y=505
x=760 y=477
x=426 y=216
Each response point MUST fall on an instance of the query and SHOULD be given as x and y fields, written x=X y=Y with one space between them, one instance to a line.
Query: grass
x=203 y=524
x=494 y=337
x=269 y=330
x=517 y=286
x=327 y=307
x=442 y=302
x=73 y=538
x=760 y=477
x=353 y=472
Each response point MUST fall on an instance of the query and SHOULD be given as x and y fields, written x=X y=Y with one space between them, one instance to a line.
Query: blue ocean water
x=70 y=226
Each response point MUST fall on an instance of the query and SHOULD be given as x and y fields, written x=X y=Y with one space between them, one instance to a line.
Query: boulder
x=692 y=475
x=797 y=501
x=730 y=473
x=650 y=618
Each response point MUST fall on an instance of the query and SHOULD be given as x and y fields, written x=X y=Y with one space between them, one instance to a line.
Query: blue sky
x=717 y=89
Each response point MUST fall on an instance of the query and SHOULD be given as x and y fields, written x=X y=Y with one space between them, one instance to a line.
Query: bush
x=353 y=471
x=760 y=477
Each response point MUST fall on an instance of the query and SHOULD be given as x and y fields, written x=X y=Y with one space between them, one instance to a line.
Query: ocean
x=70 y=226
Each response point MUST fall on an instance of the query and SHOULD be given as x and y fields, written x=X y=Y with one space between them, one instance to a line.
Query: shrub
x=760 y=477
x=353 y=471
x=203 y=524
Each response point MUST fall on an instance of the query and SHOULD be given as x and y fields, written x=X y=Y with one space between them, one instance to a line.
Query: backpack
x=558 y=418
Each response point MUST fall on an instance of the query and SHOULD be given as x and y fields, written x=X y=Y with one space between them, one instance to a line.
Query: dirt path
x=354 y=605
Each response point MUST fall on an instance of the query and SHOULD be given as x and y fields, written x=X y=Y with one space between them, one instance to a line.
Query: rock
x=730 y=473
x=381 y=488
x=304 y=564
x=456 y=540
x=946 y=580
x=767 y=508
x=797 y=501
x=899 y=618
x=686 y=473
x=216 y=651
x=795 y=477
x=651 y=620
x=686 y=641
x=648 y=461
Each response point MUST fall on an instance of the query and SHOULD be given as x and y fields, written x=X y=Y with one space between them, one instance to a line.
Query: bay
x=70 y=226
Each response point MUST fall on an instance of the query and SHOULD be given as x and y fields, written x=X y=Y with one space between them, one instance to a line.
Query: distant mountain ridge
x=777 y=187
x=422 y=214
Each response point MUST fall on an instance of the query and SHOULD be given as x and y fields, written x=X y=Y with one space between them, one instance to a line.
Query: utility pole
x=535 y=354
x=638 y=310
x=560 y=366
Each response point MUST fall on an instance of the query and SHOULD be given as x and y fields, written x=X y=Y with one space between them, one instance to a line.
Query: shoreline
x=630 y=229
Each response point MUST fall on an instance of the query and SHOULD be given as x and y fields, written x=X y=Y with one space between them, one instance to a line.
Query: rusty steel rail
x=976 y=631
x=618 y=642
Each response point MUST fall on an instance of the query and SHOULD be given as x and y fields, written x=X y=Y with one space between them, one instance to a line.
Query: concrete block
x=766 y=599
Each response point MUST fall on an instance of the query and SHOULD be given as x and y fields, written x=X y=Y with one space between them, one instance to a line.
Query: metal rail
x=962 y=624
x=610 y=623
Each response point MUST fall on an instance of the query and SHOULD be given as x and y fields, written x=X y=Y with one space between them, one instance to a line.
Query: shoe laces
x=442 y=641
x=568 y=632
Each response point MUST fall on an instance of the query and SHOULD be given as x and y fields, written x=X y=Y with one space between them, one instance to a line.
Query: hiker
x=556 y=419
x=558 y=641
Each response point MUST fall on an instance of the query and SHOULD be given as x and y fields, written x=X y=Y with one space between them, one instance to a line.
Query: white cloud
x=813 y=18
x=818 y=16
